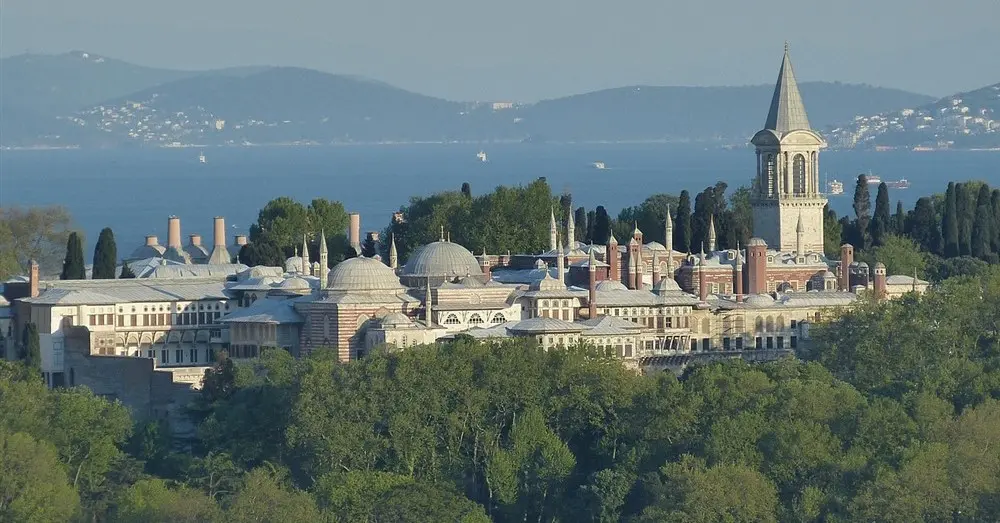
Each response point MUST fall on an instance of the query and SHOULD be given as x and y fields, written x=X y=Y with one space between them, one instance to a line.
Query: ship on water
x=481 y=155
x=901 y=183
x=201 y=158
x=599 y=165
x=834 y=187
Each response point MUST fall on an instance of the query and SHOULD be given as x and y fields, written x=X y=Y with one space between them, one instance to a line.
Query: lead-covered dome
x=442 y=259
x=362 y=274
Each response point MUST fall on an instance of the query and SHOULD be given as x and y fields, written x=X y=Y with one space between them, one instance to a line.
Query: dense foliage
x=73 y=267
x=33 y=233
x=894 y=416
x=105 y=256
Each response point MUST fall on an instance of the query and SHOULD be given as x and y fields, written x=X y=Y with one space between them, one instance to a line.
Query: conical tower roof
x=787 y=112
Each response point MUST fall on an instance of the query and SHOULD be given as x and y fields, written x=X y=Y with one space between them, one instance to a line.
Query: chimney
x=196 y=240
x=757 y=266
x=613 y=258
x=174 y=232
x=151 y=241
x=484 y=264
x=592 y=292
x=219 y=232
x=631 y=272
x=241 y=239
x=354 y=232
x=702 y=284
x=738 y=270
x=33 y=278
x=881 y=285
x=846 y=259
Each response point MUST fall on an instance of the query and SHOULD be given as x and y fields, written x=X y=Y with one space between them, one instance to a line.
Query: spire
x=560 y=262
x=570 y=230
x=393 y=254
x=799 y=227
x=427 y=301
x=799 y=236
x=305 y=255
x=787 y=112
x=324 y=263
x=592 y=261
x=442 y=234
x=553 y=231
x=711 y=233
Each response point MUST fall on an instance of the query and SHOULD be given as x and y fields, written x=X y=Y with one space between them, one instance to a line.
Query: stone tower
x=787 y=183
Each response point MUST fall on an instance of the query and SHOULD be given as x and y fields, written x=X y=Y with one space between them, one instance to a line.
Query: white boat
x=834 y=187
x=201 y=158
x=481 y=156
x=599 y=165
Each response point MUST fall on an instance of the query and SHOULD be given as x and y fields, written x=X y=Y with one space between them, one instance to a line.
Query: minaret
x=560 y=263
x=668 y=242
x=592 y=289
x=800 y=232
x=428 y=298
x=305 y=256
x=613 y=259
x=553 y=231
x=702 y=284
x=711 y=234
x=393 y=255
x=324 y=260
x=787 y=181
x=442 y=234
x=570 y=231
x=738 y=269
x=656 y=269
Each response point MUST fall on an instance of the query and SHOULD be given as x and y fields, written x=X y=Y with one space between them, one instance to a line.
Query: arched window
x=781 y=323
x=770 y=324
x=799 y=174
x=771 y=172
x=451 y=320
x=475 y=319
x=498 y=319
x=706 y=326
x=759 y=324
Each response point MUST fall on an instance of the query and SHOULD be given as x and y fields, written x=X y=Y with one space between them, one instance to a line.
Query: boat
x=599 y=165
x=201 y=158
x=834 y=187
x=871 y=178
x=481 y=156
x=901 y=183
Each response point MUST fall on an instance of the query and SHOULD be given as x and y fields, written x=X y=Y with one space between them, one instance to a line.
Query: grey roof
x=175 y=270
x=107 y=292
x=900 y=279
x=787 y=112
x=442 y=258
x=544 y=325
x=610 y=326
x=363 y=274
x=266 y=311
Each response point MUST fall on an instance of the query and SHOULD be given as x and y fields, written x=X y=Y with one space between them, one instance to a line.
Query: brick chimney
x=757 y=266
x=613 y=259
x=195 y=240
x=656 y=269
x=174 y=232
x=881 y=285
x=484 y=264
x=354 y=231
x=151 y=241
x=33 y=278
x=846 y=259
x=592 y=289
x=241 y=239
x=219 y=232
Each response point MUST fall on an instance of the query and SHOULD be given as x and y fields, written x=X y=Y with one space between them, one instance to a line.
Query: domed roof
x=395 y=319
x=829 y=274
x=548 y=283
x=756 y=242
x=666 y=285
x=294 y=284
x=442 y=259
x=362 y=274
x=611 y=285
x=760 y=300
x=293 y=264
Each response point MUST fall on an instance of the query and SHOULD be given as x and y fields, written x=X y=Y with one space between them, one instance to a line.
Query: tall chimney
x=151 y=241
x=241 y=239
x=881 y=285
x=702 y=284
x=33 y=278
x=631 y=272
x=757 y=266
x=738 y=269
x=354 y=233
x=484 y=264
x=846 y=259
x=592 y=290
x=196 y=240
x=174 y=232
x=613 y=259
x=219 y=232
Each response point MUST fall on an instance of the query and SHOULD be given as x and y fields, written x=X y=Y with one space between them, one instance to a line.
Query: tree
x=580 y=221
x=369 y=248
x=33 y=485
x=832 y=231
x=105 y=256
x=466 y=190
x=995 y=205
x=682 y=224
x=73 y=268
x=591 y=218
x=152 y=501
x=262 y=252
x=982 y=227
x=881 y=223
x=33 y=233
x=900 y=255
x=31 y=353
x=923 y=226
x=127 y=271
x=740 y=218
x=862 y=213
x=419 y=502
x=965 y=205
x=949 y=223
x=899 y=219
x=602 y=226
x=264 y=498
x=283 y=221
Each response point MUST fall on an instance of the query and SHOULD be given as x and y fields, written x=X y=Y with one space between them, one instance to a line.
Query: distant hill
x=960 y=121
x=114 y=103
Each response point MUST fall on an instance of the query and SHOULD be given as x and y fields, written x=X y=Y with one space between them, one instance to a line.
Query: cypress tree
x=682 y=223
x=965 y=206
x=982 y=226
x=949 y=223
x=602 y=226
x=862 y=213
x=105 y=256
x=369 y=247
x=591 y=217
x=466 y=190
x=580 y=219
x=31 y=350
x=900 y=219
x=73 y=268
x=881 y=221
x=995 y=204
x=924 y=228
x=126 y=272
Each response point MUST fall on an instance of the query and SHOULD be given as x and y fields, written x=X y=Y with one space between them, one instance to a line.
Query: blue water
x=133 y=191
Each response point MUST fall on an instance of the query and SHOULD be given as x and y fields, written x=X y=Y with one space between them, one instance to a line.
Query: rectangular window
x=770 y=342
x=149 y=354
x=93 y=320
x=794 y=342
x=794 y=323
x=706 y=344
x=694 y=345
x=759 y=342
x=781 y=342
x=109 y=319
x=135 y=321
x=179 y=355
x=739 y=343
x=726 y=344
x=163 y=356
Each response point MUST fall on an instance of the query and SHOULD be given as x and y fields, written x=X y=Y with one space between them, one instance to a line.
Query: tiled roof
x=266 y=311
x=787 y=112
x=97 y=292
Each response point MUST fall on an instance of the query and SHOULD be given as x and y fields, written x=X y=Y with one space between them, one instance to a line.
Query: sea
x=133 y=191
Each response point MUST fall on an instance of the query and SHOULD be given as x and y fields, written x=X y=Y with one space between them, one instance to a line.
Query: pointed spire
x=324 y=257
x=799 y=227
x=322 y=243
x=305 y=255
x=787 y=112
x=553 y=230
x=393 y=254
x=570 y=230
x=592 y=261
x=711 y=233
x=560 y=262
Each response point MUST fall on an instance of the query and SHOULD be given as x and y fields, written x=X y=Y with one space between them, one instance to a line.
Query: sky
x=526 y=50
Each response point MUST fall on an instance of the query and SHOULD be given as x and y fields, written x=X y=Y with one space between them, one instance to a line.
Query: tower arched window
x=799 y=175
x=771 y=170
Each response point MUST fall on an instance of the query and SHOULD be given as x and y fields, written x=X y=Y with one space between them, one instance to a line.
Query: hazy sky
x=531 y=49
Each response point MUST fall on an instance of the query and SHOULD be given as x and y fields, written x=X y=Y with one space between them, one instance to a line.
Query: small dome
x=294 y=284
x=756 y=242
x=829 y=274
x=395 y=319
x=362 y=274
x=760 y=300
x=548 y=283
x=293 y=264
x=863 y=265
x=540 y=264
x=611 y=285
x=442 y=259
x=666 y=285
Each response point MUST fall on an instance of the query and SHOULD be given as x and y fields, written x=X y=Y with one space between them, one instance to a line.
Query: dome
x=362 y=274
x=396 y=319
x=293 y=264
x=666 y=285
x=760 y=300
x=294 y=284
x=757 y=242
x=442 y=259
x=548 y=283
x=829 y=274
x=611 y=285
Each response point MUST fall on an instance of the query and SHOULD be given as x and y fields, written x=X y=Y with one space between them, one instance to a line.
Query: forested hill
x=83 y=99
